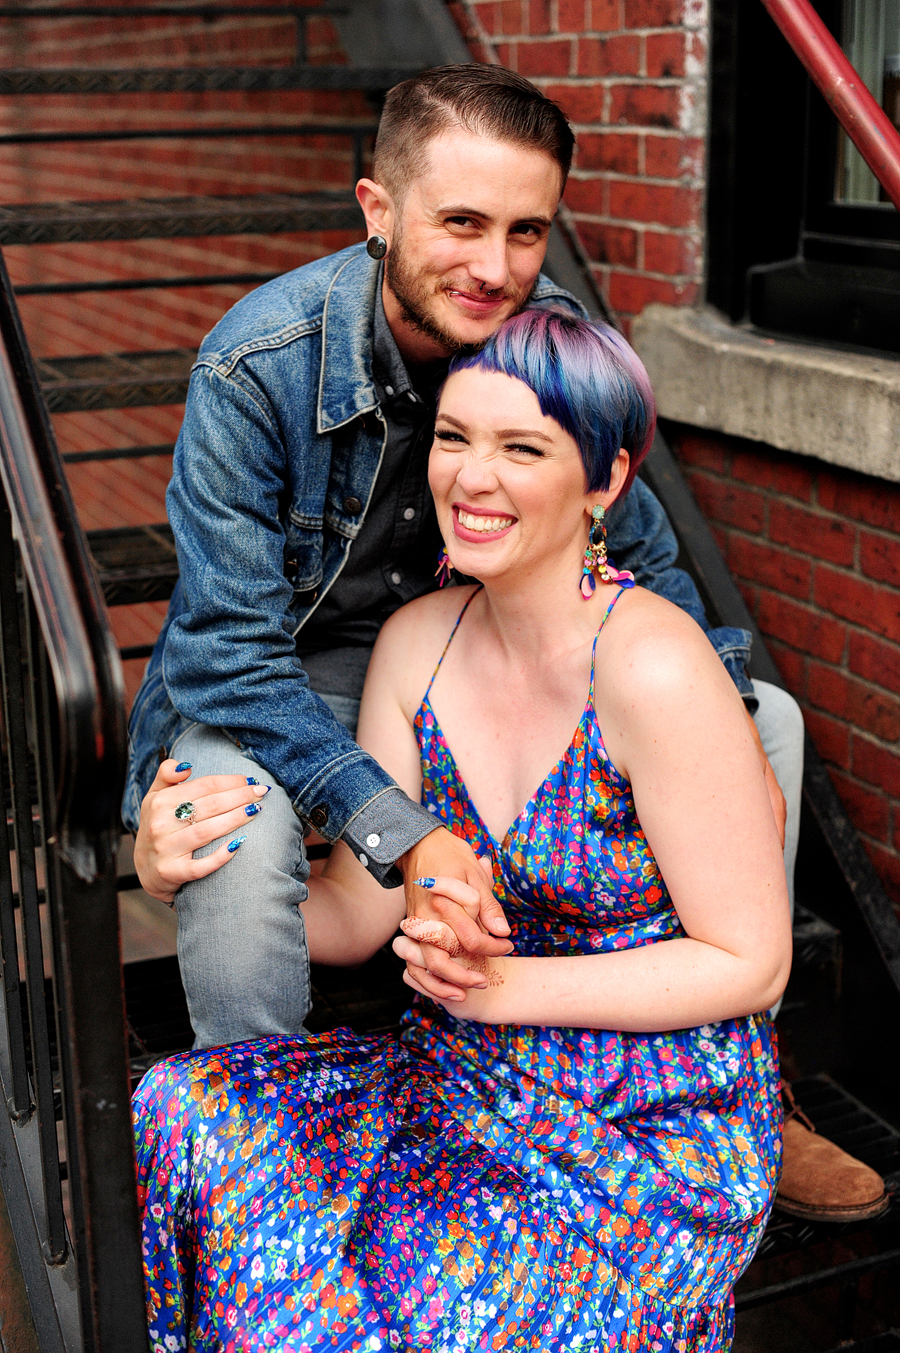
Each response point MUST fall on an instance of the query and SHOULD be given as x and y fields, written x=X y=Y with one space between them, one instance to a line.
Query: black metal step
x=177 y=217
x=882 y=1343
x=197 y=79
x=117 y=380
x=135 y=563
x=834 y=1255
x=369 y=999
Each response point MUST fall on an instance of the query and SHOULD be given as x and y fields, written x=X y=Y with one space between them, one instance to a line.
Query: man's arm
x=230 y=658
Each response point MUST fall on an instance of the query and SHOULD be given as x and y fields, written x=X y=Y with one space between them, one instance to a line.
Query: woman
x=539 y=1162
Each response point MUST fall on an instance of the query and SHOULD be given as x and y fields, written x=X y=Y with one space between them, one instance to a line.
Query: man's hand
x=164 y=847
x=776 y=798
x=464 y=900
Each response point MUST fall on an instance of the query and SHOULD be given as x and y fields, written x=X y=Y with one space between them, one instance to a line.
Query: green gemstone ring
x=185 y=813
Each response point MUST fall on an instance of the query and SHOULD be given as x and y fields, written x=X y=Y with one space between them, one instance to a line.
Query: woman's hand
x=163 y=850
x=461 y=905
x=480 y=1002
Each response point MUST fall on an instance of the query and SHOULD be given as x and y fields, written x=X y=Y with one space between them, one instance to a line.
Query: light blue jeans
x=241 y=938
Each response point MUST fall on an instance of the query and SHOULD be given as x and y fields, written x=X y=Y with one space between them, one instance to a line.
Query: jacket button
x=290 y=568
x=319 y=815
x=352 y=506
x=373 y=840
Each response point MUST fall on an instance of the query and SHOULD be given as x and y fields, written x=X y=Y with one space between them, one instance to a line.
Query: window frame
x=783 y=255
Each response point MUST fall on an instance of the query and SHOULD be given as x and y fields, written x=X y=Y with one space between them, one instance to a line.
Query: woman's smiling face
x=508 y=482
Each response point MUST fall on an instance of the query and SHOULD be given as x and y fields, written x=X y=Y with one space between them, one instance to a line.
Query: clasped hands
x=454 y=937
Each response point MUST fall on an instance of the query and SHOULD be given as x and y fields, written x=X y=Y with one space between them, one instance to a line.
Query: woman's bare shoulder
x=657 y=649
x=411 y=642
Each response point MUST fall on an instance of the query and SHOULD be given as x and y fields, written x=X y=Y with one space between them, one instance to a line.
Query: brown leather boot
x=819 y=1181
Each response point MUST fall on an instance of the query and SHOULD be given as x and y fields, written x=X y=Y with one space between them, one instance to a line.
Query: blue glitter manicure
x=233 y=845
x=425 y=883
x=183 y=765
x=252 y=809
x=251 y=780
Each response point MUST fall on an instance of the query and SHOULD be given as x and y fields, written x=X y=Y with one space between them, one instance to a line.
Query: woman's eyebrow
x=508 y=433
x=504 y=435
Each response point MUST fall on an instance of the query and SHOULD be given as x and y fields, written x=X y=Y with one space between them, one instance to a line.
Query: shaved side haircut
x=488 y=101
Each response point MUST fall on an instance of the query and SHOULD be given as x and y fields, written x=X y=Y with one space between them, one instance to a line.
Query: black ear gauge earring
x=376 y=246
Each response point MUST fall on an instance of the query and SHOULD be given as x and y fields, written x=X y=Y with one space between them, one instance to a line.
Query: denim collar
x=389 y=367
x=346 y=388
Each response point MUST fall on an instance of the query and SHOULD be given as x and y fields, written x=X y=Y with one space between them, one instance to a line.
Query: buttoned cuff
x=388 y=826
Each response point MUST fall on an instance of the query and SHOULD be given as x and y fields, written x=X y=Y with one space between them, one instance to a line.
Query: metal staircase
x=79 y=1266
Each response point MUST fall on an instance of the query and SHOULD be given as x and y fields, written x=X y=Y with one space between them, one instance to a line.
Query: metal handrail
x=64 y=755
x=868 y=126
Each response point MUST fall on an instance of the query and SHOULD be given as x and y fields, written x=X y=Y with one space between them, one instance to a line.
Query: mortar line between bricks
x=793 y=552
x=616 y=176
x=813 y=508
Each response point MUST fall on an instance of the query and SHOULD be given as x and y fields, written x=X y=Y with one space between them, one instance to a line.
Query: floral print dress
x=468 y=1186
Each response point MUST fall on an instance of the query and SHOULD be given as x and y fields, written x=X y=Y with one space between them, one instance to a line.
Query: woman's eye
x=525 y=449
x=447 y=435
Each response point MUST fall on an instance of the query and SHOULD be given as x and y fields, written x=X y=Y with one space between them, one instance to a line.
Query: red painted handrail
x=868 y=126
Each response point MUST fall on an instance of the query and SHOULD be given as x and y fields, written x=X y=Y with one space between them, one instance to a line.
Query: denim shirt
x=282 y=440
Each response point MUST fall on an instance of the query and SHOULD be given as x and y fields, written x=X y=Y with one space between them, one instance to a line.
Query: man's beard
x=413 y=295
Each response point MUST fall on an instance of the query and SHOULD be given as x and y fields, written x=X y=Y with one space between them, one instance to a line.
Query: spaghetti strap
x=469 y=601
x=597 y=635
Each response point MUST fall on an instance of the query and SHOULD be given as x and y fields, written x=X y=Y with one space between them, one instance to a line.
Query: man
x=302 y=519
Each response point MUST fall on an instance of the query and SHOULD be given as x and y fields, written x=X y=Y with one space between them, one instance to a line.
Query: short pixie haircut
x=485 y=100
x=585 y=376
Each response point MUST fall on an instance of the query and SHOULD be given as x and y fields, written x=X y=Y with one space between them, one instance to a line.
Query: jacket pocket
x=304 y=548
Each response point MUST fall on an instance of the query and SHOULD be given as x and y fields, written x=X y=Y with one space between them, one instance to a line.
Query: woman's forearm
x=348 y=916
x=673 y=984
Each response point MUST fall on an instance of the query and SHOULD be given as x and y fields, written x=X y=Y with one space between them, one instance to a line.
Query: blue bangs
x=585 y=377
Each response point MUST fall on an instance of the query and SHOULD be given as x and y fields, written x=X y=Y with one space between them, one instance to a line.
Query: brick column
x=631 y=76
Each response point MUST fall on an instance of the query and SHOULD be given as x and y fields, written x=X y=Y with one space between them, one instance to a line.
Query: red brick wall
x=631 y=76
x=816 y=554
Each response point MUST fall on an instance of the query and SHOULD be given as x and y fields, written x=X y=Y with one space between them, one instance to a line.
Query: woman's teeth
x=472 y=523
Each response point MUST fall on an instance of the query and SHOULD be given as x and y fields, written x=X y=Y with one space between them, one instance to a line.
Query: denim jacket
x=274 y=467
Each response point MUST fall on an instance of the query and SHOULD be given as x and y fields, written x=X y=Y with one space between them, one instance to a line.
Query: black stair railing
x=67 y=1186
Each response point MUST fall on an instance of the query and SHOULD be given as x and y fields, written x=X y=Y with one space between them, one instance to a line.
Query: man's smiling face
x=468 y=240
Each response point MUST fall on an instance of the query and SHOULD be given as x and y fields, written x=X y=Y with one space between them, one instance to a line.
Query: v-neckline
x=588 y=709
x=499 y=842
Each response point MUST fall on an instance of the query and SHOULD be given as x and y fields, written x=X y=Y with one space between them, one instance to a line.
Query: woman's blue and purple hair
x=585 y=376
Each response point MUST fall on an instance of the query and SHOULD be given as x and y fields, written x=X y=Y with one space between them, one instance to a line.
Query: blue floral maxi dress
x=468 y=1186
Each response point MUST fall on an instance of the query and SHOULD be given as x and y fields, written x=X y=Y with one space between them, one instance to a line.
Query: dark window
x=802 y=241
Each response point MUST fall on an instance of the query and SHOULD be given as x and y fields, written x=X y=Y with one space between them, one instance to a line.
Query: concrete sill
x=841 y=407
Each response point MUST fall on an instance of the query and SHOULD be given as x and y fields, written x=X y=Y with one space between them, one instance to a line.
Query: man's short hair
x=486 y=100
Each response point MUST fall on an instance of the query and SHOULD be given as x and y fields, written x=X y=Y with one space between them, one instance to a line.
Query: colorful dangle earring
x=596 y=558
x=444 y=568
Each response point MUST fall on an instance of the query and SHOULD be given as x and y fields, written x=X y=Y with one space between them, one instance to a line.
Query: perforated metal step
x=135 y=563
x=197 y=79
x=836 y=1255
x=115 y=380
x=369 y=1000
x=177 y=217
x=882 y=1343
